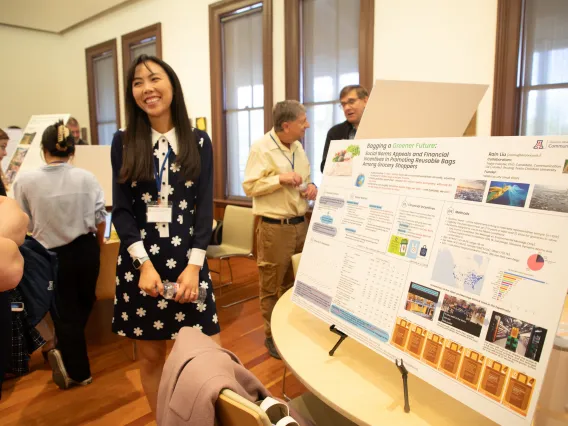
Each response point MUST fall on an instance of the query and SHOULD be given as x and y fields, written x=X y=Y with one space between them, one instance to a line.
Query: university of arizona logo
x=538 y=145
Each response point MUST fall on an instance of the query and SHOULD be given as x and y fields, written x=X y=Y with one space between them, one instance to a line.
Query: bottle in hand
x=170 y=291
x=303 y=188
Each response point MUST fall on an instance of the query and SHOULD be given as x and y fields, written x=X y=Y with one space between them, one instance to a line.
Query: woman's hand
x=150 y=280
x=188 y=284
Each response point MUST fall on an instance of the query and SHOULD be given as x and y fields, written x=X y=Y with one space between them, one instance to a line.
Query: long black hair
x=138 y=156
x=57 y=141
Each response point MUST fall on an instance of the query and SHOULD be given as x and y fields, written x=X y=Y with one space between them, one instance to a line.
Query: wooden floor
x=116 y=396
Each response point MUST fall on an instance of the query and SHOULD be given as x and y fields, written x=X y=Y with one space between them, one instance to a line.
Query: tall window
x=335 y=39
x=330 y=61
x=241 y=86
x=147 y=41
x=531 y=75
x=544 y=71
x=102 y=81
x=244 y=90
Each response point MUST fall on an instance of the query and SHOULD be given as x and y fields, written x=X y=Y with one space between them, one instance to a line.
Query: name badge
x=159 y=213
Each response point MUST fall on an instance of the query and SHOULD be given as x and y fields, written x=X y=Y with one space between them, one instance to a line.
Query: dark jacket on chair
x=39 y=281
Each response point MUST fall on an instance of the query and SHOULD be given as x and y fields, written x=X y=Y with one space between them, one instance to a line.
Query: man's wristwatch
x=137 y=263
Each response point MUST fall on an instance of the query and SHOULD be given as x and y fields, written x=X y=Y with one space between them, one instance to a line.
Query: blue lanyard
x=160 y=176
x=285 y=156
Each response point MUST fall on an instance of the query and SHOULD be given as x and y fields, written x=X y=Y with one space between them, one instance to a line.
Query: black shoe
x=59 y=375
x=269 y=343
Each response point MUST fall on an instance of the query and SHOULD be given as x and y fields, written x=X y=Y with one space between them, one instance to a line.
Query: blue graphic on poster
x=460 y=269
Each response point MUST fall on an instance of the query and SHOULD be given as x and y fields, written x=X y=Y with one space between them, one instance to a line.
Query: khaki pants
x=276 y=244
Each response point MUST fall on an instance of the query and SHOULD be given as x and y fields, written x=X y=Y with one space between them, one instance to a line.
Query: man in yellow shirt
x=277 y=177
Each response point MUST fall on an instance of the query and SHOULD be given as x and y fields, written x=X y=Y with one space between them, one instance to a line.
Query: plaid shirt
x=25 y=339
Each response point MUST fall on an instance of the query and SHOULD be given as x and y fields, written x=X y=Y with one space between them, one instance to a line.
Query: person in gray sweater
x=67 y=214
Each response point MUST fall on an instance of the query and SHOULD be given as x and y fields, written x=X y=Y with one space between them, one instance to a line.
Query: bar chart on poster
x=447 y=253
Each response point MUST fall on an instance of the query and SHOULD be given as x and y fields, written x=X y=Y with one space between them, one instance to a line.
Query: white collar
x=170 y=136
x=279 y=144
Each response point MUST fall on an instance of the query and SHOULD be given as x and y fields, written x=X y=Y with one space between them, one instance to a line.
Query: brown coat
x=196 y=371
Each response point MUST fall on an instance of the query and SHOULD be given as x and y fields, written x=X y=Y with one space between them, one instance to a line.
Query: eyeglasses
x=349 y=102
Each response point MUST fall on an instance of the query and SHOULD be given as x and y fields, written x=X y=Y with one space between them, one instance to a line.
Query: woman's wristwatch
x=138 y=262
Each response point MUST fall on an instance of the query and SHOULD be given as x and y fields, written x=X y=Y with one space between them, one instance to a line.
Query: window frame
x=90 y=54
x=217 y=11
x=506 y=93
x=294 y=57
x=293 y=46
x=510 y=70
x=135 y=37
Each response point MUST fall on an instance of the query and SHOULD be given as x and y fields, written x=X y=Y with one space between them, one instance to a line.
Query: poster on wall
x=29 y=145
x=448 y=253
x=14 y=136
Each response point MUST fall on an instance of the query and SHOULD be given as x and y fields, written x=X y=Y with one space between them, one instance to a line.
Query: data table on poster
x=382 y=290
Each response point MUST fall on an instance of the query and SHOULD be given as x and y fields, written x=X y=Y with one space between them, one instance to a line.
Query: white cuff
x=196 y=257
x=137 y=250
x=100 y=217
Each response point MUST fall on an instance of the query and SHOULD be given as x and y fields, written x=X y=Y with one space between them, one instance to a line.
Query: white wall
x=185 y=46
x=449 y=41
x=62 y=86
x=30 y=75
x=434 y=40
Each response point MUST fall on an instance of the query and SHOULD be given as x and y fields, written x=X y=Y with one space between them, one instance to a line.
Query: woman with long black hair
x=163 y=213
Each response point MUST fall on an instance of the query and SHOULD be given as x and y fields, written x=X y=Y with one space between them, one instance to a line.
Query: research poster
x=448 y=253
x=14 y=136
x=30 y=145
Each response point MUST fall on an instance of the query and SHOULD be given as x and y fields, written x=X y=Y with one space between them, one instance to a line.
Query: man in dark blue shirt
x=75 y=130
x=353 y=101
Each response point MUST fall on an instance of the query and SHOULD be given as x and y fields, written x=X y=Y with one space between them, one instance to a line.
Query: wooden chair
x=296 y=262
x=106 y=283
x=234 y=410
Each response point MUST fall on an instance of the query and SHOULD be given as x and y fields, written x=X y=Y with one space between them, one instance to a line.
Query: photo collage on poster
x=470 y=367
x=16 y=163
x=27 y=153
x=19 y=156
x=544 y=197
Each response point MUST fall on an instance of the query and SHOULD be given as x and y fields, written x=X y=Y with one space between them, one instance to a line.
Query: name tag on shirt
x=159 y=213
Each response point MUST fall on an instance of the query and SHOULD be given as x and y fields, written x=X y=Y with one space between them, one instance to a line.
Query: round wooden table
x=357 y=382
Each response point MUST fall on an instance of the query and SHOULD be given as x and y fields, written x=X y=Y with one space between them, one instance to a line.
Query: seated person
x=13 y=227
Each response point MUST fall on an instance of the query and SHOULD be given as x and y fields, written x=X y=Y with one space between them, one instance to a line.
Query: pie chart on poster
x=535 y=262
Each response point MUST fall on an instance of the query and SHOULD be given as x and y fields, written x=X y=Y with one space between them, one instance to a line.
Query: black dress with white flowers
x=137 y=315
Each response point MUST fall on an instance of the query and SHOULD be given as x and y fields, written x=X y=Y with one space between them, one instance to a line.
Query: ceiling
x=54 y=15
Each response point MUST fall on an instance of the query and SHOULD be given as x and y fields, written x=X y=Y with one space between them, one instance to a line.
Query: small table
x=357 y=382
